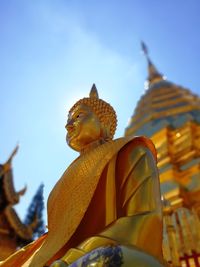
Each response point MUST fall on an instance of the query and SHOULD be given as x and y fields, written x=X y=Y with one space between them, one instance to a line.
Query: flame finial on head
x=94 y=92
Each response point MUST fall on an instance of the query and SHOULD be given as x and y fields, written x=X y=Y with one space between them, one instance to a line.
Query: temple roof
x=9 y=197
x=8 y=194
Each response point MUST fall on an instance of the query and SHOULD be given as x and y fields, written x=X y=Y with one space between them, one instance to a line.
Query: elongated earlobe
x=105 y=130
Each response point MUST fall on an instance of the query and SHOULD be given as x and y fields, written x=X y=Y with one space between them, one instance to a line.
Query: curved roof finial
x=13 y=154
x=94 y=92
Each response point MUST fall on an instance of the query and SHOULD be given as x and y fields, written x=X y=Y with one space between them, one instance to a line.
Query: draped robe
x=108 y=195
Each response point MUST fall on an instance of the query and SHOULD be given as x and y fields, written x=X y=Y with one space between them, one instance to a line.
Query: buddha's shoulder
x=138 y=144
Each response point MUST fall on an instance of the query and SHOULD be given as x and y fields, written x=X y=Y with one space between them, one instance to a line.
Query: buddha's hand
x=59 y=263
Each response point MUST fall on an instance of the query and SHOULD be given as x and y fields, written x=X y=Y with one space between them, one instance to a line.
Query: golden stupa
x=170 y=116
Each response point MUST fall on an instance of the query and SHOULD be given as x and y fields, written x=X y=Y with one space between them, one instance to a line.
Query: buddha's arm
x=139 y=206
x=140 y=210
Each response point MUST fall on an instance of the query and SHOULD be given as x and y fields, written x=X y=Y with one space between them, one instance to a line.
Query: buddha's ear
x=107 y=133
x=105 y=130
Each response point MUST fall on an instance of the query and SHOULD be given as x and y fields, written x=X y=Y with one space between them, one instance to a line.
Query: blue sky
x=52 y=51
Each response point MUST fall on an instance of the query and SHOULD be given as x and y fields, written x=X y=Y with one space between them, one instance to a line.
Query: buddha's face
x=83 y=128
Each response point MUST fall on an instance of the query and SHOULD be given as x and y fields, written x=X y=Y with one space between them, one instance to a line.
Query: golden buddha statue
x=106 y=206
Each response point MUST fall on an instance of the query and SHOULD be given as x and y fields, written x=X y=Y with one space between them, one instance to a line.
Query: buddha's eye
x=79 y=115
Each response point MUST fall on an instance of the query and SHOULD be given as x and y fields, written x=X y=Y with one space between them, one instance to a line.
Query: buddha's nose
x=69 y=125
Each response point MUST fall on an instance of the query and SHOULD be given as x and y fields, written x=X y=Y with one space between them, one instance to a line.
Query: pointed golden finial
x=144 y=48
x=94 y=92
x=146 y=52
x=154 y=74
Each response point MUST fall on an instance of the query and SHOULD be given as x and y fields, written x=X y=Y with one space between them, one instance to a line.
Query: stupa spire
x=154 y=74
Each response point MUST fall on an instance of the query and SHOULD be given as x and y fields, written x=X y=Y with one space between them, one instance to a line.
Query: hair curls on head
x=102 y=109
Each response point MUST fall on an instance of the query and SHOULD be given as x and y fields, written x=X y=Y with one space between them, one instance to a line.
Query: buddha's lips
x=70 y=131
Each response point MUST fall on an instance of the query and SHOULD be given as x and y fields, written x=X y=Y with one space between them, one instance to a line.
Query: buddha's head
x=91 y=120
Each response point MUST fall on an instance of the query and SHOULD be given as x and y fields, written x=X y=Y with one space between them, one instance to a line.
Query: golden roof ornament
x=13 y=153
x=101 y=108
x=7 y=164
